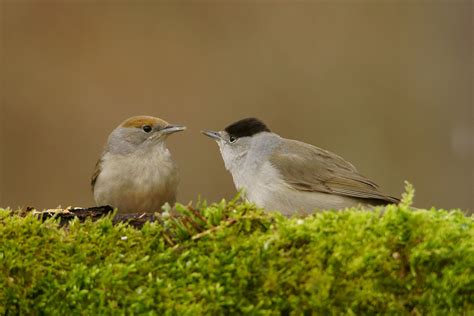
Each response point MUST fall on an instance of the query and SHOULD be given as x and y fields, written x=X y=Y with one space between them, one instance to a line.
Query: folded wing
x=308 y=168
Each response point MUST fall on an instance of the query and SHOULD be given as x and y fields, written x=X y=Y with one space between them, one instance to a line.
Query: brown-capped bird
x=136 y=172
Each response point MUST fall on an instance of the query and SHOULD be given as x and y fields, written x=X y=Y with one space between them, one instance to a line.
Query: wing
x=95 y=175
x=308 y=168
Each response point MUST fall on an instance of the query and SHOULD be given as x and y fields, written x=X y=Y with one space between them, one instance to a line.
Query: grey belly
x=132 y=200
x=140 y=194
x=289 y=201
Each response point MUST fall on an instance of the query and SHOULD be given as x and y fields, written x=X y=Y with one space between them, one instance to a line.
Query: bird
x=136 y=172
x=291 y=176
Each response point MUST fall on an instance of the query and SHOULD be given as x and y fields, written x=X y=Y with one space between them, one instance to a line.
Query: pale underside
x=135 y=183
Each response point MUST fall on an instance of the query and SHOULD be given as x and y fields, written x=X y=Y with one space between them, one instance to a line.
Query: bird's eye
x=232 y=139
x=146 y=128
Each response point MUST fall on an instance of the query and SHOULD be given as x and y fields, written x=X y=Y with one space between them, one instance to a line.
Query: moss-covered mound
x=230 y=258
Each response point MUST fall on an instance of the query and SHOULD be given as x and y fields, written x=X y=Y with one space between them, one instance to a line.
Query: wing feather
x=95 y=175
x=308 y=168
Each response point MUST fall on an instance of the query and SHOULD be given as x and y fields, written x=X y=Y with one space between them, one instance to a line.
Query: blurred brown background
x=387 y=85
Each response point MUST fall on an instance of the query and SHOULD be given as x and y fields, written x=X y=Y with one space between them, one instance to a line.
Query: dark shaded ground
x=136 y=220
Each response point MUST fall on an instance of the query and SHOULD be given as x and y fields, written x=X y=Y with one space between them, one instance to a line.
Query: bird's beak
x=212 y=134
x=172 y=128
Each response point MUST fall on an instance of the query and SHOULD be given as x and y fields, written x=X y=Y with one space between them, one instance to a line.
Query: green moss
x=235 y=259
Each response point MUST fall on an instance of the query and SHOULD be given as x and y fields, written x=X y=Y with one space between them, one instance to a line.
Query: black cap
x=246 y=127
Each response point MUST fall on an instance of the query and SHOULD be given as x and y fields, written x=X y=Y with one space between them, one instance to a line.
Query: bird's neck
x=246 y=166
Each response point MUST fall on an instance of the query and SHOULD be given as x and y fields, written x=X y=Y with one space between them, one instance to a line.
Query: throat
x=244 y=170
x=234 y=161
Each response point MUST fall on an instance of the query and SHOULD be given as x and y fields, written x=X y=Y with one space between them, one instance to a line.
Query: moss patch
x=230 y=258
